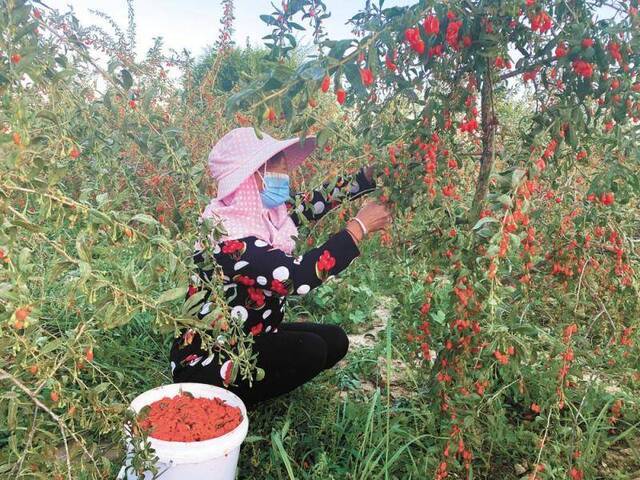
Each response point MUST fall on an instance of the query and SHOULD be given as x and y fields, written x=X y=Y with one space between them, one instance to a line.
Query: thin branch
x=542 y=445
x=521 y=70
x=584 y=267
x=18 y=466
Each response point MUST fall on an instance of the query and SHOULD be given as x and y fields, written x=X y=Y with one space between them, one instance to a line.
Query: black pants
x=291 y=357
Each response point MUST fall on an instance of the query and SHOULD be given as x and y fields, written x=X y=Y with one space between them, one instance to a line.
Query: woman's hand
x=374 y=216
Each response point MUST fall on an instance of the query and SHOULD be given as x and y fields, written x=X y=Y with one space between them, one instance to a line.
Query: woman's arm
x=316 y=204
x=263 y=266
x=266 y=267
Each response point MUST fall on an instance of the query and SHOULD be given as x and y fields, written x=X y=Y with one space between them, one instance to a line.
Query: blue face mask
x=276 y=189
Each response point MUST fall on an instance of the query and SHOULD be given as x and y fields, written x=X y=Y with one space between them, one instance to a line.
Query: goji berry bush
x=505 y=137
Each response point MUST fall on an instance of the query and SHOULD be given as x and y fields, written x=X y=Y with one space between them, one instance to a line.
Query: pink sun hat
x=240 y=153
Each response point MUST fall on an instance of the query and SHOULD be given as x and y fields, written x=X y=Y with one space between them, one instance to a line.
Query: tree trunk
x=489 y=124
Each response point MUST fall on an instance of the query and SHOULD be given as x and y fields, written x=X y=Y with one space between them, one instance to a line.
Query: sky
x=194 y=24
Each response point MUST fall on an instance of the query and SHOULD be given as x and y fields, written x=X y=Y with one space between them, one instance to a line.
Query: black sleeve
x=316 y=204
x=284 y=274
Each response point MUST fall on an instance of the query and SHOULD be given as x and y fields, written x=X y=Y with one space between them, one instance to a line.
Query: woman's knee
x=314 y=352
x=337 y=346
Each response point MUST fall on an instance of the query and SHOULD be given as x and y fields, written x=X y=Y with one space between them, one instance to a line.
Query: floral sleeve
x=316 y=204
x=274 y=270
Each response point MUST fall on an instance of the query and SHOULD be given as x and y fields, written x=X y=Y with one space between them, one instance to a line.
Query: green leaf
x=492 y=251
x=63 y=75
x=279 y=447
x=131 y=282
x=571 y=136
x=438 y=317
x=278 y=75
x=312 y=70
x=171 y=295
x=600 y=56
x=238 y=100
x=483 y=221
x=144 y=218
x=505 y=200
x=517 y=175
x=100 y=388
x=100 y=216
x=47 y=115
x=191 y=306
x=352 y=72
x=291 y=39
x=12 y=414
x=287 y=107
x=392 y=12
x=338 y=48
x=84 y=252
x=144 y=413
x=55 y=271
x=29 y=226
x=373 y=59
x=53 y=345
x=269 y=20
x=323 y=137
x=294 y=6
x=234 y=372
x=126 y=79
x=85 y=269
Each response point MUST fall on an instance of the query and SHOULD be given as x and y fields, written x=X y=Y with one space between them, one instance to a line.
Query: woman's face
x=276 y=164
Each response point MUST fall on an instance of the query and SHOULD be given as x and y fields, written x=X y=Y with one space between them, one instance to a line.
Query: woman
x=254 y=206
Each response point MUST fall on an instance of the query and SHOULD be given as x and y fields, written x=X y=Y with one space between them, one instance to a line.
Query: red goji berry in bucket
x=184 y=418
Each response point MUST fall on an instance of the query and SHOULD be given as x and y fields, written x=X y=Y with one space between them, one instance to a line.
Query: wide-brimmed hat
x=240 y=153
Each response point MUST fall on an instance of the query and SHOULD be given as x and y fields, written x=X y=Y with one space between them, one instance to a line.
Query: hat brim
x=298 y=152
x=295 y=154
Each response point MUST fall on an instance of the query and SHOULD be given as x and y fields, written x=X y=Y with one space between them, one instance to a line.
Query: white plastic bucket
x=215 y=459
